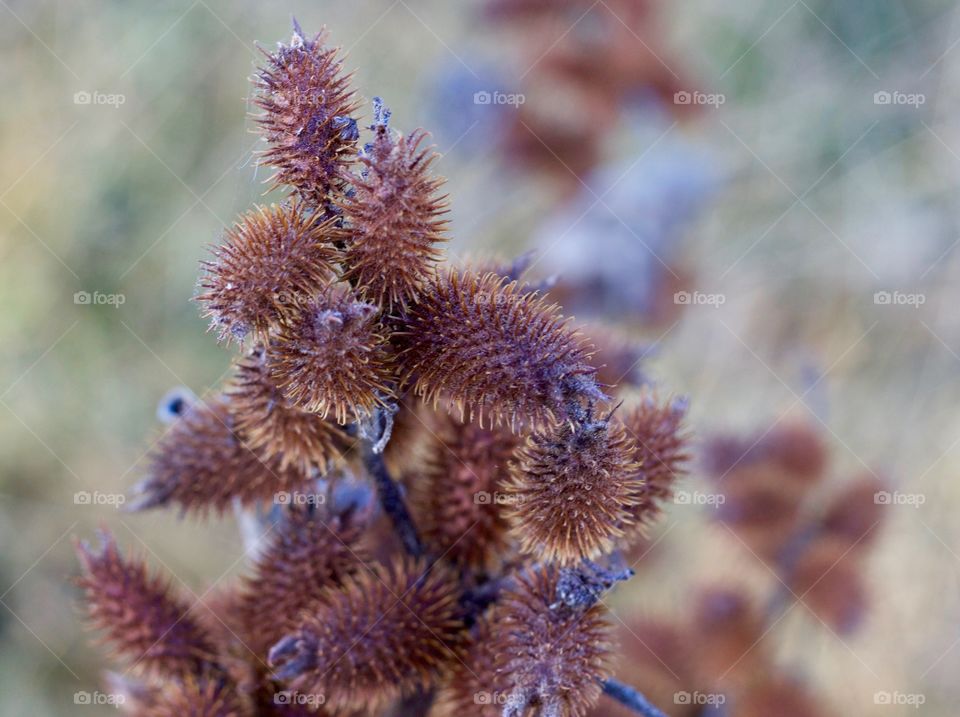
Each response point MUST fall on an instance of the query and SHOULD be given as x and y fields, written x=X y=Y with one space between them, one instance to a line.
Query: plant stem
x=631 y=698
x=391 y=499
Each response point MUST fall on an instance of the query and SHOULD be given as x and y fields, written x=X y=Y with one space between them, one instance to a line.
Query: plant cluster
x=587 y=62
x=813 y=547
x=441 y=477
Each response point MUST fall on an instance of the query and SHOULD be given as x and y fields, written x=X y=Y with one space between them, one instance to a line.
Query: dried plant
x=456 y=500
x=271 y=425
x=308 y=554
x=387 y=632
x=395 y=217
x=521 y=495
x=573 y=490
x=203 y=464
x=333 y=357
x=307 y=105
x=552 y=658
x=269 y=262
x=496 y=350
x=139 y=614
x=814 y=545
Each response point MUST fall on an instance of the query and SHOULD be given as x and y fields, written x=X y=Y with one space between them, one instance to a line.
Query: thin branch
x=630 y=698
x=391 y=499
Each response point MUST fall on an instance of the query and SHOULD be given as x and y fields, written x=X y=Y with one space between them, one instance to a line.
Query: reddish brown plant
x=306 y=103
x=271 y=425
x=494 y=350
x=272 y=261
x=387 y=632
x=395 y=218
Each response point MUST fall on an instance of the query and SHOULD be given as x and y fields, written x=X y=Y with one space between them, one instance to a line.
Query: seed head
x=552 y=657
x=274 y=427
x=273 y=260
x=333 y=357
x=455 y=497
x=202 y=463
x=495 y=350
x=573 y=490
x=140 y=616
x=661 y=449
x=309 y=554
x=395 y=217
x=306 y=103
x=387 y=632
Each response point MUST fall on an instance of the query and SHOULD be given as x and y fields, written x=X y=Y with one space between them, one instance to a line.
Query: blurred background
x=763 y=193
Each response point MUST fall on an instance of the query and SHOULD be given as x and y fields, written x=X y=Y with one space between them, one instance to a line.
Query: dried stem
x=391 y=499
x=631 y=698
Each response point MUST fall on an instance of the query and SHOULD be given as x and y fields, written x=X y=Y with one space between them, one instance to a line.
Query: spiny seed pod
x=333 y=357
x=272 y=261
x=203 y=464
x=728 y=627
x=553 y=658
x=855 y=513
x=387 y=632
x=455 y=500
x=495 y=350
x=307 y=102
x=197 y=696
x=661 y=449
x=394 y=214
x=274 y=427
x=474 y=686
x=828 y=579
x=573 y=490
x=309 y=553
x=140 y=616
